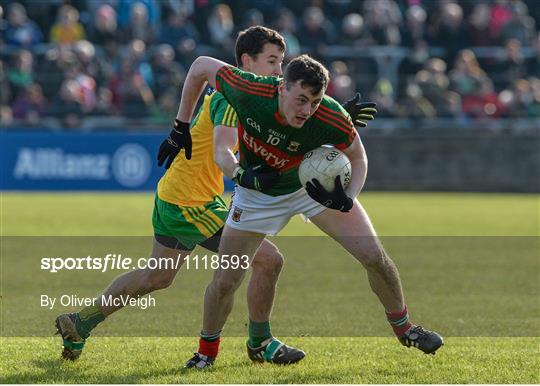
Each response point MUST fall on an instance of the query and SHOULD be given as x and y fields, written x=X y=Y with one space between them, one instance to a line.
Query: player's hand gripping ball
x=326 y=172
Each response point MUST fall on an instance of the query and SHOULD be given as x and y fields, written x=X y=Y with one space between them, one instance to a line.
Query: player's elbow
x=205 y=68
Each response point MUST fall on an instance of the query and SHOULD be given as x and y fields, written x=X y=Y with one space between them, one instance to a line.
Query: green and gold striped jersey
x=199 y=180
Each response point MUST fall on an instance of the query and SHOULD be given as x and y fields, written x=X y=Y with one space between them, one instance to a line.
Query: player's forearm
x=359 y=174
x=227 y=162
x=202 y=70
x=359 y=164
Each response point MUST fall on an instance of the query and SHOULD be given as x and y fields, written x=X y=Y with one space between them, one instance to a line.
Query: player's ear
x=280 y=86
x=246 y=61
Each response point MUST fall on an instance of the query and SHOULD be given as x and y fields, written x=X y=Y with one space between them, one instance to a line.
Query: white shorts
x=254 y=211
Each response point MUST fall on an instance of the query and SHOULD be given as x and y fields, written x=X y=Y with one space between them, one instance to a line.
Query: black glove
x=179 y=138
x=259 y=178
x=360 y=112
x=337 y=199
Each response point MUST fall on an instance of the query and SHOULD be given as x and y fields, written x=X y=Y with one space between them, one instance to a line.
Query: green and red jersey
x=265 y=139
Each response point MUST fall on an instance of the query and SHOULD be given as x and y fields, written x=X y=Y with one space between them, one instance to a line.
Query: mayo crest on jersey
x=265 y=139
x=199 y=180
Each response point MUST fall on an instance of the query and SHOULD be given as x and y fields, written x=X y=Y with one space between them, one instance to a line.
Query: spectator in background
x=125 y=8
x=52 y=68
x=533 y=64
x=383 y=94
x=20 y=74
x=511 y=66
x=30 y=104
x=166 y=72
x=478 y=28
x=166 y=107
x=500 y=15
x=415 y=105
x=3 y=26
x=21 y=31
x=534 y=107
x=467 y=76
x=5 y=90
x=67 y=105
x=286 y=25
x=416 y=58
x=449 y=31
x=67 y=29
x=341 y=86
x=136 y=55
x=252 y=18
x=131 y=95
x=105 y=25
x=520 y=26
x=221 y=27
x=104 y=105
x=353 y=32
x=317 y=32
x=434 y=84
x=139 y=26
x=383 y=19
x=90 y=65
x=87 y=86
x=180 y=33
x=414 y=29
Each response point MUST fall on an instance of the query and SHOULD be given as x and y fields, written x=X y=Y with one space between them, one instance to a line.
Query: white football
x=325 y=163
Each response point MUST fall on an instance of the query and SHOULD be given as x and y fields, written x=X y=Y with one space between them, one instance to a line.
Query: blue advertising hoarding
x=95 y=161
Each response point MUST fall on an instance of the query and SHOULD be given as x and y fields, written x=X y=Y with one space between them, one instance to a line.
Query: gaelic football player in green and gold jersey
x=189 y=211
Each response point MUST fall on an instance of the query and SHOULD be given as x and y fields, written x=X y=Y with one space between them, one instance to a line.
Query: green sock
x=258 y=333
x=87 y=319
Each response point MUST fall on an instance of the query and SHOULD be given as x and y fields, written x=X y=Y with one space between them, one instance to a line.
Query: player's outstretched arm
x=202 y=70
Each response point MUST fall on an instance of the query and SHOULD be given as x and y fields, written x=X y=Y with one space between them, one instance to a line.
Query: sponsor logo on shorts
x=237 y=212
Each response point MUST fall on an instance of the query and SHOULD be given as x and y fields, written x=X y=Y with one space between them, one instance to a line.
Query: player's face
x=297 y=103
x=267 y=63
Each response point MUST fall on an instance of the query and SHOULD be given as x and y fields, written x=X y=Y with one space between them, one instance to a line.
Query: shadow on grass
x=55 y=370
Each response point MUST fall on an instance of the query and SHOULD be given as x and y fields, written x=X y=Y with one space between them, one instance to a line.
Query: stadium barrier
x=420 y=160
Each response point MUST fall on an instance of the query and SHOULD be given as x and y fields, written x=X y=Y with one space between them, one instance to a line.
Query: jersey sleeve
x=338 y=121
x=221 y=112
x=239 y=87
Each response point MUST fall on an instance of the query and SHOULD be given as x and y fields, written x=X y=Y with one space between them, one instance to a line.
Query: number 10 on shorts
x=214 y=262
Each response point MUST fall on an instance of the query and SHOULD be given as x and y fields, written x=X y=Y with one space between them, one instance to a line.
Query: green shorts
x=189 y=225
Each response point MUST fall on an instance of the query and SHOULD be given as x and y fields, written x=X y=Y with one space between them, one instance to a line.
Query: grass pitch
x=479 y=288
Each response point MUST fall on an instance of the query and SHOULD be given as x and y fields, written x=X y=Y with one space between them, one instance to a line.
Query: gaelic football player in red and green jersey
x=279 y=121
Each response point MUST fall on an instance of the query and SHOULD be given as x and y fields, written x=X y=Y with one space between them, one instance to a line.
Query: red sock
x=399 y=321
x=210 y=349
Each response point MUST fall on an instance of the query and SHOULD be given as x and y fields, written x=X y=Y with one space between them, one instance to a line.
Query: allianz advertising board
x=97 y=161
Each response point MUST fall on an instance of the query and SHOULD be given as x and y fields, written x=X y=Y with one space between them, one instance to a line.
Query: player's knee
x=372 y=257
x=268 y=261
x=156 y=280
x=226 y=285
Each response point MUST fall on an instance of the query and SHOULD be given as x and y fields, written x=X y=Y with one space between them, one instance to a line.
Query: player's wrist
x=180 y=127
x=237 y=174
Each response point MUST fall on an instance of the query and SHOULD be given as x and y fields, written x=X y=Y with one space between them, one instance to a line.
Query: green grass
x=480 y=292
x=329 y=360
x=393 y=214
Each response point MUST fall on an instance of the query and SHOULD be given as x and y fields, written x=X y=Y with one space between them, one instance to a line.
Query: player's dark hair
x=308 y=71
x=252 y=40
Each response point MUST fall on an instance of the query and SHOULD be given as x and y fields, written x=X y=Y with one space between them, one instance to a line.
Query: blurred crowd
x=80 y=59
